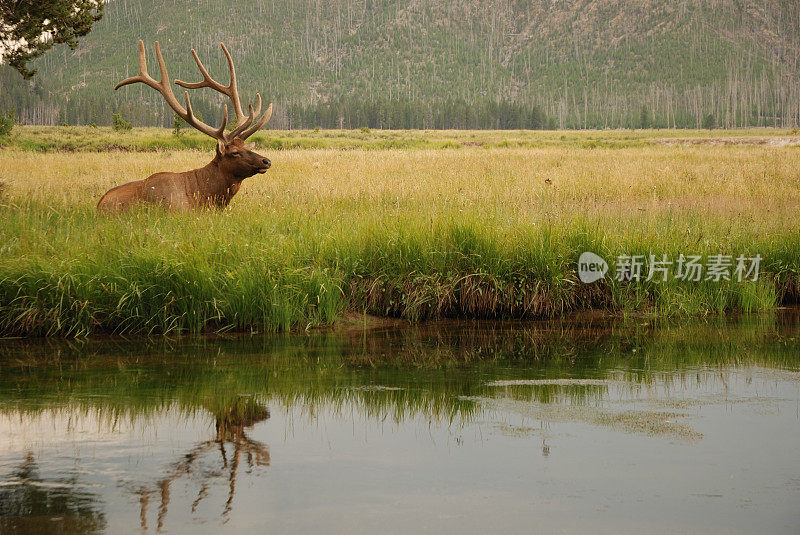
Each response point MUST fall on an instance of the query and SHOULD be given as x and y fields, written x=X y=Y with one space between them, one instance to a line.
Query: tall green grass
x=66 y=271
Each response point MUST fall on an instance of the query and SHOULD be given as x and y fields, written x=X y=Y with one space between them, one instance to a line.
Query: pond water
x=586 y=425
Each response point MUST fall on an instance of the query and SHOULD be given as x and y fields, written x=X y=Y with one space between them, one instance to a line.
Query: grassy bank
x=98 y=139
x=474 y=232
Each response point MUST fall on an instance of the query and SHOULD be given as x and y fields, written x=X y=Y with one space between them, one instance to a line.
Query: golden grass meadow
x=412 y=225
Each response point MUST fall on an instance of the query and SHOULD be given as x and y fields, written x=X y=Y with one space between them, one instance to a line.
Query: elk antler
x=232 y=91
x=245 y=125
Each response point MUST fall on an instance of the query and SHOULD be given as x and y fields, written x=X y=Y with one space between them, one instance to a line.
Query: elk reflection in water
x=231 y=423
x=565 y=429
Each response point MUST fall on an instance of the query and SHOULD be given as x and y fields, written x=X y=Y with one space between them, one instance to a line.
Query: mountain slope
x=584 y=63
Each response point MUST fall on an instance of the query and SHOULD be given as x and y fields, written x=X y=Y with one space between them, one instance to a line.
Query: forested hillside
x=440 y=63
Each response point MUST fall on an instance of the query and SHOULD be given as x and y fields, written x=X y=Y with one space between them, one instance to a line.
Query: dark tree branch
x=42 y=25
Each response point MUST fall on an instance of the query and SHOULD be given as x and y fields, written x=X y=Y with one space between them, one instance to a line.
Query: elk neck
x=215 y=182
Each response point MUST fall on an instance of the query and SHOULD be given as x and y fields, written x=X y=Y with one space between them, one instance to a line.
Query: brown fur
x=211 y=186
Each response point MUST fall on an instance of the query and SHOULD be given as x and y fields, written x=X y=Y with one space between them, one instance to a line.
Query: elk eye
x=236 y=154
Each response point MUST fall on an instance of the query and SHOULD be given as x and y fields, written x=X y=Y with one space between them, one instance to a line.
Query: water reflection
x=30 y=503
x=230 y=443
x=100 y=435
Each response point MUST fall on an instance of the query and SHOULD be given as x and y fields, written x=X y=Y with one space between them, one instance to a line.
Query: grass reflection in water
x=591 y=372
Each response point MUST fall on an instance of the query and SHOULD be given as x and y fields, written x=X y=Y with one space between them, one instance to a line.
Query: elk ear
x=220 y=147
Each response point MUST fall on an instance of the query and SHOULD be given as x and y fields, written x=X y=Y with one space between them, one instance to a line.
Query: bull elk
x=215 y=184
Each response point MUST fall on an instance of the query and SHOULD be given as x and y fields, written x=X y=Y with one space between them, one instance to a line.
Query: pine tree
x=42 y=25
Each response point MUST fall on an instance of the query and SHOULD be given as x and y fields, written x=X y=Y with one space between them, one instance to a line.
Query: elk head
x=232 y=156
x=238 y=161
